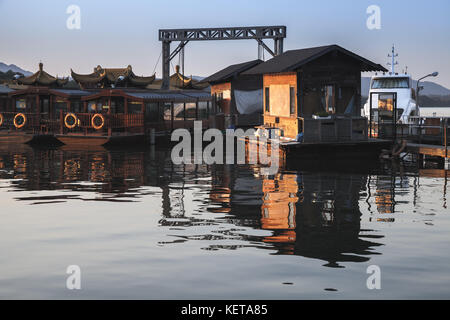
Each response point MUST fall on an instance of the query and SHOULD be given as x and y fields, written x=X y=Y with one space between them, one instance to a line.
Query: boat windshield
x=390 y=83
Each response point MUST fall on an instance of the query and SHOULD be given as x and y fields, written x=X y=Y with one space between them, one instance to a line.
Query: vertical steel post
x=165 y=65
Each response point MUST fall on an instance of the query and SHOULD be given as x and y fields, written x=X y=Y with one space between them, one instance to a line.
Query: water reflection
x=313 y=214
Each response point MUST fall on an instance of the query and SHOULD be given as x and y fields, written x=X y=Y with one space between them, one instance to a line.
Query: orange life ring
x=98 y=126
x=75 y=120
x=1 y=119
x=17 y=124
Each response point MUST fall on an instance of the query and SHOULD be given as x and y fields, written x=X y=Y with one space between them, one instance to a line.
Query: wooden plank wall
x=277 y=115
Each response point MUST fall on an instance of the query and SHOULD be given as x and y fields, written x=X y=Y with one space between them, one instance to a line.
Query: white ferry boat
x=382 y=88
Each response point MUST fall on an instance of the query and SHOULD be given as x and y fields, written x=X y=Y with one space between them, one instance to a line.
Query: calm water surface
x=140 y=227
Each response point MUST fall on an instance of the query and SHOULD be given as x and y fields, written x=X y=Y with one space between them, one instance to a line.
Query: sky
x=117 y=33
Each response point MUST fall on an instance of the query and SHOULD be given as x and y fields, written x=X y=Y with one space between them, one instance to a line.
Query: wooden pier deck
x=428 y=150
x=370 y=148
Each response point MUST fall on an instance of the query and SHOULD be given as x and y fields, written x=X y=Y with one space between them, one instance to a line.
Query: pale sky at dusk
x=119 y=33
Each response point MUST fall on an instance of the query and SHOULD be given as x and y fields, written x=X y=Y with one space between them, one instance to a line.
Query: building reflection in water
x=316 y=215
x=312 y=214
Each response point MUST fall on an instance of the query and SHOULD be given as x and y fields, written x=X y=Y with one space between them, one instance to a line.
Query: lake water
x=140 y=227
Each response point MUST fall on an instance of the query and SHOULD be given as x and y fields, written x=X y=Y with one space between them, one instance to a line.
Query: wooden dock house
x=316 y=92
x=237 y=97
x=312 y=98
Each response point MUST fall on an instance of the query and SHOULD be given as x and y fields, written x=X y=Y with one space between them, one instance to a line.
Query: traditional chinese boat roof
x=42 y=78
x=180 y=81
x=107 y=77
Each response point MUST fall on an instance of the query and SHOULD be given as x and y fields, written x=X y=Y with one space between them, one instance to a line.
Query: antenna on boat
x=393 y=56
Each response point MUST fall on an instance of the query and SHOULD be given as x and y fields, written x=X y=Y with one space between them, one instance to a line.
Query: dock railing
x=426 y=130
x=72 y=123
x=25 y=122
x=101 y=124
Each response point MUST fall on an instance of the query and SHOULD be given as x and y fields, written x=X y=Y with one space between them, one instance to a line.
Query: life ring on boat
x=70 y=120
x=20 y=120
x=1 y=119
x=95 y=124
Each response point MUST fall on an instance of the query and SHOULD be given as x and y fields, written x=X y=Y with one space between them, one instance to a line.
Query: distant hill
x=429 y=88
x=5 y=68
x=8 y=76
x=435 y=101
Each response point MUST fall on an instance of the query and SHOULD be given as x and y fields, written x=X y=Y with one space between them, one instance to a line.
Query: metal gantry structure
x=183 y=36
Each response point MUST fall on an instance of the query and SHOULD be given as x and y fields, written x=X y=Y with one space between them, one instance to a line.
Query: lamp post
x=434 y=74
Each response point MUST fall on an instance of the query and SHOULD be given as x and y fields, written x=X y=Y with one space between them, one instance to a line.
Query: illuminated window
x=292 y=100
x=267 y=98
x=390 y=83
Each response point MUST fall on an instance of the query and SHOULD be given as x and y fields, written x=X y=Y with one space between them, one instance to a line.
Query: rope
x=157 y=62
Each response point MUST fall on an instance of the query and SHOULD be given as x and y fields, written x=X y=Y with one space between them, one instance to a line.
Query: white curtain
x=248 y=102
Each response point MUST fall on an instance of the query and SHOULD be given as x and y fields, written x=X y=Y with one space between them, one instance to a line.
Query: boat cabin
x=111 y=104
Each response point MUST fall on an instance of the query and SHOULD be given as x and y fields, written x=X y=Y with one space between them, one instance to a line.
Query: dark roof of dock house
x=230 y=72
x=42 y=78
x=292 y=60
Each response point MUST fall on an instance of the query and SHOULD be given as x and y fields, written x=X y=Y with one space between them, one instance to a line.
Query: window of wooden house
x=152 y=112
x=117 y=106
x=76 y=106
x=92 y=106
x=292 y=100
x=103 y=106
x=21 y=104
x=178 y=111
x=134 y=107
x=218 y=99
x=267 y=99
x=190 y=111
x=328 y=98
x=58 y=106
x=203 y=110
x=45 y=105
x=167 y=111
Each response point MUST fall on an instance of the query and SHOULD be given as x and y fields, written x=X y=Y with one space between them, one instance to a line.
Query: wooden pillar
x=61 y=122
x=38 y=106
x=125 y=103
x=109 y=116
x=69 y=106
x=357 y=111
x=196 y=110
x=143 y=116
x=85 y=106
x=300 y=94
x=37 y=125
x=171 y=116
x=50 y=110
x=166 y=65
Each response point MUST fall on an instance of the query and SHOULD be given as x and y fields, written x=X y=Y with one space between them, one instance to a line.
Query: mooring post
x=152 y=136
x=445 y=137
x=446 y=159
